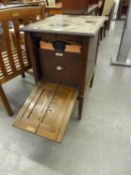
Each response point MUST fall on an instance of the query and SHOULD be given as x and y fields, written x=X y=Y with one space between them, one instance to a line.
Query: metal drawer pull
x=59 y=68
x=59 y=54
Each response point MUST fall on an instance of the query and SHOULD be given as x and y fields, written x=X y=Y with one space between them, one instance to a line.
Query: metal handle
x=59 y=68
x=59 y=54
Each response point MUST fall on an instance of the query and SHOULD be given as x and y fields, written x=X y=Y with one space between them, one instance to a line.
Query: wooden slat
x=47 y=111
x=18 y=44
x=27 y=103
x=9 y=73
x=8 y=45
x=33 y=116
x=2 y=65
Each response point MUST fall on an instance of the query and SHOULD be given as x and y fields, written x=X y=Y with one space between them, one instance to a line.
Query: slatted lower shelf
x=47 y=111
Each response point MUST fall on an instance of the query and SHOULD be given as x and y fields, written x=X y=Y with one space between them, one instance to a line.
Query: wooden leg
x=80 y=107
x=101 y=31
x=5 y=102
x=104 y=33
x=92 y=81
x=23 y=75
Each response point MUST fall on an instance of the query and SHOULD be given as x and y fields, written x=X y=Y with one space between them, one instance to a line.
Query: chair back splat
x=13 y=55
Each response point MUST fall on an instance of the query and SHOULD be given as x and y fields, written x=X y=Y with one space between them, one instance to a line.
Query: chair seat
x=9 y=71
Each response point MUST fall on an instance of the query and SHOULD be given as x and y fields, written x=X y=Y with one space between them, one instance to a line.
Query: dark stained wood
x=80 y=107
x=32 y=47
x=84 y=58
x=41 y=114
x=92 y=59
x=92 y=81
x=79 y=64
x=60 y=67
x=93 y=1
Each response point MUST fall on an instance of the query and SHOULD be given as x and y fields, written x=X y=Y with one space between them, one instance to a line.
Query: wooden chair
x=52 y=8
x=123 y=8
x=13 y=59
x=101 y=4
x=106 y=9
x=110 y=15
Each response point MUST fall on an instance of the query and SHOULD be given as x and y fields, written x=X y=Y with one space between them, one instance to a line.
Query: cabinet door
x=65 y=68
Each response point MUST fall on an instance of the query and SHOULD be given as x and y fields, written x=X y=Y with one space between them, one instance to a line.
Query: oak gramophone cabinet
x=63 y=52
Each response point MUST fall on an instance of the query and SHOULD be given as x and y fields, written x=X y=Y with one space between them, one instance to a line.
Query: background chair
x=106 y=9
x=101 y=4
x=14 y=59
x=51 y=2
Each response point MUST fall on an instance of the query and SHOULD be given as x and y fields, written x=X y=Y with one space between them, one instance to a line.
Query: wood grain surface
x=47 y=110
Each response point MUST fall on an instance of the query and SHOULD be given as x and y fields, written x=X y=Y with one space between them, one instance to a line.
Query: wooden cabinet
x=123 y=7
x=87 y=7
x=63 y=58
x=93 y=1
x=60 y=67
x=73 y=67
x=77 y=7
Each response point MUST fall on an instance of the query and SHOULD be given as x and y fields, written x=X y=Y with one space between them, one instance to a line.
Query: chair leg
x=92 y=81
x=104 y=32
x=5 y=102
x=23 y=75
x=101 y=34
x=80 y=108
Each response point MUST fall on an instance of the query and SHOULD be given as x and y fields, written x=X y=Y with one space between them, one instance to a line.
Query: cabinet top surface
x=68 y=24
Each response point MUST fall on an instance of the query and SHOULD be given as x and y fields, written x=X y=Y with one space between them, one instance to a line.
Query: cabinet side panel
x=91 y=61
